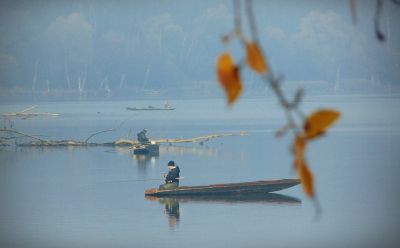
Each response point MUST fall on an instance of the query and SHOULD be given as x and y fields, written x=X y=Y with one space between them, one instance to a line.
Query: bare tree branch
x=103 y=131
x=21 y=133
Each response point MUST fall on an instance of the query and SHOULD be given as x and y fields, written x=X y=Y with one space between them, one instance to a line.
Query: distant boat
x=148 y=149
x=265 y=186
x=151 y=108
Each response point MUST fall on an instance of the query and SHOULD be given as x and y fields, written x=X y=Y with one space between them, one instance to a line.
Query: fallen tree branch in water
x=25 y=114
x=103 y=131
x=200 y=138
x=122 y=142
x=21 y=133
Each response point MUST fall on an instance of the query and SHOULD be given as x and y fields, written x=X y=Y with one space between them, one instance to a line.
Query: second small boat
x=265 y=186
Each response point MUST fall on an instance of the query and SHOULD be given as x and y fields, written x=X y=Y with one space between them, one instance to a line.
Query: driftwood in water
x=59 y=143
x=26 y=114
x=21 y=134
x=43 y=142
x=124 y=142
x=200 y=138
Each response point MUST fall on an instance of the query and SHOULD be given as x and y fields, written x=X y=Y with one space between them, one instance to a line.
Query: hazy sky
x=167 y=44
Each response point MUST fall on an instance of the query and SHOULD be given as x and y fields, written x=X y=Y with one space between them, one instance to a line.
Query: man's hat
x=171 y=163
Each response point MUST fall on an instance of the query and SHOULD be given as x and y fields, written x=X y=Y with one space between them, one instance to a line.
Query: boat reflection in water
x=172 y=209
x=143 y=161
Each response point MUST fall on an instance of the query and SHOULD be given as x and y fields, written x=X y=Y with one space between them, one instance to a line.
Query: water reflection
x=144 y=160
x=172 y=209
x=200 y=150
x=192 y=150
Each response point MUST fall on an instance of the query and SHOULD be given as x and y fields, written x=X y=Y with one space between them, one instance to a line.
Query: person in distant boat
x=142 y=138
x=172 y=178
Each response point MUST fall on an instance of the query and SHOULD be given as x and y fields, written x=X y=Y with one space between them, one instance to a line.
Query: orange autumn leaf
x=299 y=146
x=228 y=76
x=300 y=165
x=255 y=58
x=306 y=179
x=319 y=121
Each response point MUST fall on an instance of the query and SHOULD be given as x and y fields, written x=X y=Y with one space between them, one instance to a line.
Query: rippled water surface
x=94 y=197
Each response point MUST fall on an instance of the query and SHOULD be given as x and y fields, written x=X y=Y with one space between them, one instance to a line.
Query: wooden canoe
x=265 y=186
x=256 y=197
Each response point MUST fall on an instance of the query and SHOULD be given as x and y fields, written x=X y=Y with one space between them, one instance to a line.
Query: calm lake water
x=94 y=197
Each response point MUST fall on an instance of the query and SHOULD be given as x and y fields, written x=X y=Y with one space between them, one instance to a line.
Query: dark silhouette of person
x=142 y=138
x=172 y=178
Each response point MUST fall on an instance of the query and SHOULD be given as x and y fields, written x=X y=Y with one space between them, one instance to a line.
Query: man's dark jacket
x=173 y=176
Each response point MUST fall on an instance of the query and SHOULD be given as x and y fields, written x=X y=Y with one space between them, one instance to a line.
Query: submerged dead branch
x=22 y=134
x=200 y=138
x=26 y=114
x=123 y=142
x=103 y=131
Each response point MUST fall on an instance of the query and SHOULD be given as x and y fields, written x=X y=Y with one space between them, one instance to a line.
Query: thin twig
x=237 y=20
x=300 y=114
x=252 y=23
x=25 y=110
x=378 y=12
x=103 y=131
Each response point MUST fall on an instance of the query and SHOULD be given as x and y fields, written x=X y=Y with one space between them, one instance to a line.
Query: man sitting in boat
x=172 y=178
x=142 y=138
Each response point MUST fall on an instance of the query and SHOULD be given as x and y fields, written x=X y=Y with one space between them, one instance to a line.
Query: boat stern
x=150 y=192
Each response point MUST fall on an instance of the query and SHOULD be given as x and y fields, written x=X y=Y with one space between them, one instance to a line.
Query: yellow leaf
x=228 y=76
x=225 y=68
x=319 y=121
x=306 y=179
x=299 y=146
x=305 y=175
x=255 y=59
